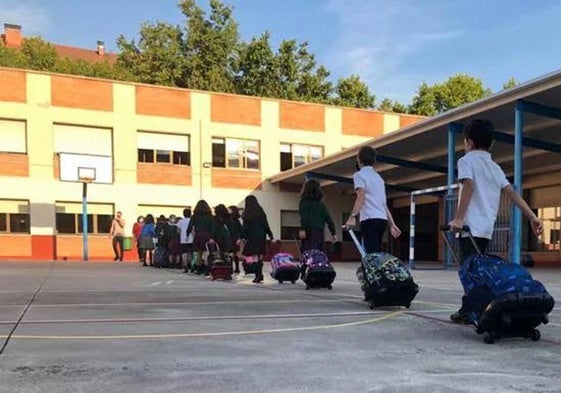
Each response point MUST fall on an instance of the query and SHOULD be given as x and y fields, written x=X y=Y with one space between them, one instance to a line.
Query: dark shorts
x=372 y=233
x=186 y=248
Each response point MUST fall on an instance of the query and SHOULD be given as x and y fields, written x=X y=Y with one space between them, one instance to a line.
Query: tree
x=158 y=57
x=455 y=91
x=12 y=58
x=210 y=46
x=300 y=77
x=40 y=54
x=509 y=84
x=388 y=105
x=257 y=72
x=353 y=92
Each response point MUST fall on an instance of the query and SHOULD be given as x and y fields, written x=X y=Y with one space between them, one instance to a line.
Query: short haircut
x=187 y=213
x=367 y=155
x=480 y=131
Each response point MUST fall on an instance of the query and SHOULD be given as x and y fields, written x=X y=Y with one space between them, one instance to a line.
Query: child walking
x=481 y=182
x=313 y=217
x=255 y=230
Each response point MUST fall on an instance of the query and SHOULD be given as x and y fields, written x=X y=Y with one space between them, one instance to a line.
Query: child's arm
x=394 y=229
x=537 y=225
x=465 y=197
x=360 y=195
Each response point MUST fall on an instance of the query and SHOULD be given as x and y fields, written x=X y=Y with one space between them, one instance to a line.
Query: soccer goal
x=499 y=244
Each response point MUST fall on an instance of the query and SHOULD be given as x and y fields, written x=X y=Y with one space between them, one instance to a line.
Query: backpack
x=377 y=268
x=497 y=276
x=314 y=259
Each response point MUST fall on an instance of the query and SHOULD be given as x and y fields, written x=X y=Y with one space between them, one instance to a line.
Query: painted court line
x=155 y=283
x=201 y=335
x=169 y=282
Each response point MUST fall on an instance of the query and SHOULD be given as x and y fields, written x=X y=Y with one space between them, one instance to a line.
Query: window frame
x=172 y=155
x=93 y=222
x=307 y=158
x=8 y=223
x=242 y=155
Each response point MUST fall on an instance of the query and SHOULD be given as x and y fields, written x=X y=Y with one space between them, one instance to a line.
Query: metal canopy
x=426 y=143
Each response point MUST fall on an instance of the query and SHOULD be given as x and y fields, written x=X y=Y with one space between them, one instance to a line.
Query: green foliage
x=457 y=90
x=352 y=91
x=388 y=105
x=157 y=58
x=509 y=84
x=40 y=54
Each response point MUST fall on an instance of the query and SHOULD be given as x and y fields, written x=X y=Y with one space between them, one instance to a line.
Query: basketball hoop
x=86 y=175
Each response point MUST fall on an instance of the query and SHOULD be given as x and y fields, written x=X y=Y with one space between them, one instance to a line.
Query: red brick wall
x=405 y=120
x=13 y=164
x=299 y=116
x=157 y=101
x=233 y=109
x=13 y=85
x=81 y=93
x=161 y=173
x=362 y=123
x=15 y=246
x=236 y=178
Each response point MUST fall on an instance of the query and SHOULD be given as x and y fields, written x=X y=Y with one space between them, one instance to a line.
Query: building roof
x=13 y=38
x=426 y=142
x=88 y=55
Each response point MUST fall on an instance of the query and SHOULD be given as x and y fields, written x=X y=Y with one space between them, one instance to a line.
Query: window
x=163 y=148
x=235 y=153
x=13 y=136
x=69 y=218
x=290 y=224
x=293 y=156
x=14 y=216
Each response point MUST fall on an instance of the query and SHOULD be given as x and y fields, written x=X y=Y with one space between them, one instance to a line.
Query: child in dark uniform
x=255 y=230
x=201 y=225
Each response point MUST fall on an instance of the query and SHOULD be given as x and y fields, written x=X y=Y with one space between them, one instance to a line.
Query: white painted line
x=169 y=282
x=155 y=283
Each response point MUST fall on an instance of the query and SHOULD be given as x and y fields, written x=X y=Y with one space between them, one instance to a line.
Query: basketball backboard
x=86 y=168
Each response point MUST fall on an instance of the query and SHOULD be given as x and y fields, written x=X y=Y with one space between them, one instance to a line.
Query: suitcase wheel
x=372 y=306
x=489 y=337
x=293 y=282
x=535 y=335
x=408 y=305
x=329 y=287
x=281 y=281
x=307 y=287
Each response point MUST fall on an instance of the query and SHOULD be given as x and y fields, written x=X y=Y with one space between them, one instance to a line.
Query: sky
x=393 y=45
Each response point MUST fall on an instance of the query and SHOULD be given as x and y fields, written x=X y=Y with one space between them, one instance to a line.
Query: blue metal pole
x=452 y=129
x=516 y=229
x=85 y=220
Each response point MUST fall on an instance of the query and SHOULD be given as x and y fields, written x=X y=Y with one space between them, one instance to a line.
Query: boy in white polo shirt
x=481 y=182
x=370 y=204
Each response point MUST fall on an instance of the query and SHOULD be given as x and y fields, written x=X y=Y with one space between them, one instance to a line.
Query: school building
x=153 y=150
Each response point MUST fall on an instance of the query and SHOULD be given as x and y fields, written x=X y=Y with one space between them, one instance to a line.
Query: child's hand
x=456 y=224
x=395 y=231
x=537 y=226
x=302 y=234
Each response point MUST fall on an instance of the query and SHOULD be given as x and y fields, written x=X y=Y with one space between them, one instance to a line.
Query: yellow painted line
x=182 y=303
x=201 y=335
x=435 y=303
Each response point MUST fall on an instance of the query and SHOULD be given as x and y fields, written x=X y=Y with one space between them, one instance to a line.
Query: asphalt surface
x=119 y=327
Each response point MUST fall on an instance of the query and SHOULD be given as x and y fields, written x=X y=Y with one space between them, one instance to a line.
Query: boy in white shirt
x=186 y=242
x=481 y=182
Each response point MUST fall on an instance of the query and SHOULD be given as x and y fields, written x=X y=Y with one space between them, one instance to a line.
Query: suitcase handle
x=355 y=240
x=216 y=246
x=444 y=229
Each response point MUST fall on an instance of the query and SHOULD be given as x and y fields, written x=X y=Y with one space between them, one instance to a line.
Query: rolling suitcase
x=384 y=279
x=504 y=299
x=284 y=268
x=161 y=259
x=316 y=270
x=218 y=266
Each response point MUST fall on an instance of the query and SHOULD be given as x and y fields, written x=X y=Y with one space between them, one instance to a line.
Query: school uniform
x=313 y=217
x=488 y=182
x=255 y=232
x=373 y=214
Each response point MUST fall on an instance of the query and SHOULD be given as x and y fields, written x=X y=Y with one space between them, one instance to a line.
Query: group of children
x=187 y=241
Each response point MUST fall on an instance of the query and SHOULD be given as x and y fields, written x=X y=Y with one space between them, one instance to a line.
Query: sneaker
x=461 y=317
